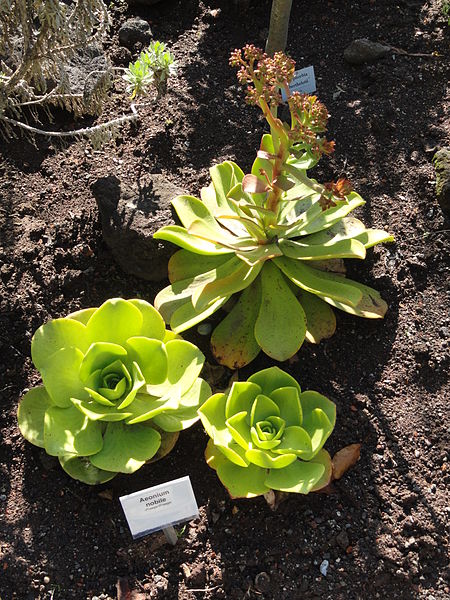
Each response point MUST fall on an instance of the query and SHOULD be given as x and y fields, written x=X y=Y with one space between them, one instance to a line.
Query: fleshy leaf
x=99 y=356
x=115 y=321
x=273 y=378
x=241 y=398
x=126 y=449
x=233 y=340
x=151 y=356
x=186 y=316
x=138 y=381
x=267 y=460
x=299 y=477
x=179 y=236
x=82 y=315
x=147 y=407
x=323 y=458
x=320 y=318
x=190 y=209
x=100 y=412
x=241 y=482
x=30 y=415
x=55 y=335
x=288 y=402
x=281 y=324
x=153 y=323
x=187 y=412
x=370 y=306
x=68 y=431
x=212 y=415
x=239 y=429
x=295 y=440
x=60 y=374
x=82 y=469
x=184 y=264
x=351 y=248
x=318 y=282
x=185 y=361
x=262 y=408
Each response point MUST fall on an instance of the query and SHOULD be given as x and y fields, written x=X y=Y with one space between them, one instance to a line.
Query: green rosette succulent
x=273 y=240
x=117 y=389
x=266 y=434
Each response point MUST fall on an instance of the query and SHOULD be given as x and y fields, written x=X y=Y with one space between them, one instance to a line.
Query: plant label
x=160 y=507
x=304 y=81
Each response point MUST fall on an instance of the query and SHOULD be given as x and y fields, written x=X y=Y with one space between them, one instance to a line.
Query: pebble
x=204 y=328
x=46 y=580
x=324 y=567
x=262 y=582
x=2 y=497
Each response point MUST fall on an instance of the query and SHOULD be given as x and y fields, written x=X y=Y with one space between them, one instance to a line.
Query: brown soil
x=383 y=528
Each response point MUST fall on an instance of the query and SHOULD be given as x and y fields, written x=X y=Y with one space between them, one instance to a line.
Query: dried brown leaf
x=344 y=459
x=253 y=185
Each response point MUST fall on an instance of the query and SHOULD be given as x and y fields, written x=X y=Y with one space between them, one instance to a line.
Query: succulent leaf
x=233 y=340
x=279 y=305
x=241 y=482
x=179 y=235
x=125 y=448
x=31 y=413
x=184 y=264
x=82 y=469
x=320 y=319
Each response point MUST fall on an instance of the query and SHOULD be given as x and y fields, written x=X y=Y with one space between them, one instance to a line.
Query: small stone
x=2 y=497
x=324 y=567
x=363 y=51
x=197 y=575
x=417 y=453
x=134 y=30
x=204 y=328
x=342 y=540
x=129 y=219
x=262 y=582
x=46 y=580
x=441 y=162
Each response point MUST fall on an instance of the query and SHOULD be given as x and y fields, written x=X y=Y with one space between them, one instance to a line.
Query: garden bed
x=382 y=529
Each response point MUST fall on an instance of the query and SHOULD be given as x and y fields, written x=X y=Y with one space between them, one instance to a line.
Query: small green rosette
x=266 y=434
x=117 y=389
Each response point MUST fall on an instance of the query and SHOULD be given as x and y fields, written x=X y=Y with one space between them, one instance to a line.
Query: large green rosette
x=268 y=435
x=117 y=389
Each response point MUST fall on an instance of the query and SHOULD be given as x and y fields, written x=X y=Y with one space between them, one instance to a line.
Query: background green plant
x=45 y=35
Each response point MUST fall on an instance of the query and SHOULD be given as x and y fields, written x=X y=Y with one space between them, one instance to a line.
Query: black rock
x=133 y=31
x=364 y=51
x=129 y=219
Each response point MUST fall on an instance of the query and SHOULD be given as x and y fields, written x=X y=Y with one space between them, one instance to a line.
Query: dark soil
x=383 y=529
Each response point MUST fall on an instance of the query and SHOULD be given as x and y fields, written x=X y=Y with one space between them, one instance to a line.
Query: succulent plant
x=266 y=434
x=274 y=236
x=117 y=389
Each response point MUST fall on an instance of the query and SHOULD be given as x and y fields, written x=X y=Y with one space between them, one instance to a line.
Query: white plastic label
x=160 y=506
x=304 y=81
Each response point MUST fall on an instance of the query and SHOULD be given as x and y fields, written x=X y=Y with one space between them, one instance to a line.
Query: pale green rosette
x=117 y=389
x=268 y=435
